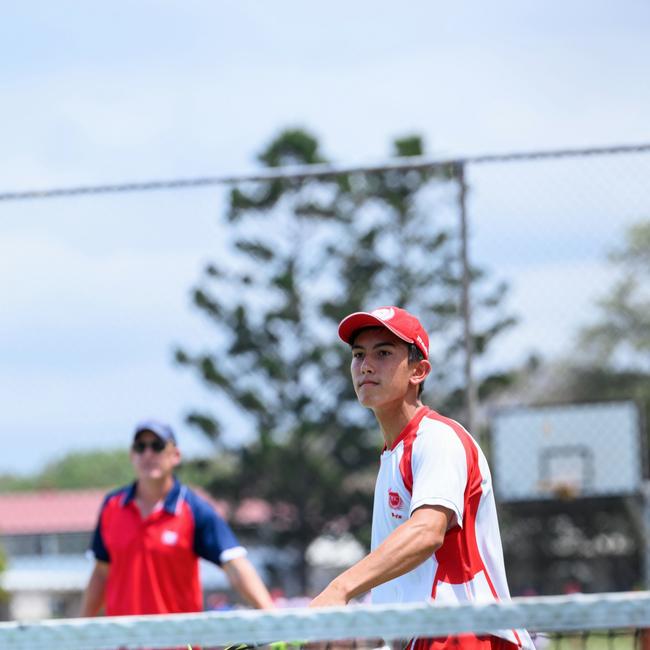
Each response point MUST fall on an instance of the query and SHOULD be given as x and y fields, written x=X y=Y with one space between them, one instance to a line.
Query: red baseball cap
x=397 y=320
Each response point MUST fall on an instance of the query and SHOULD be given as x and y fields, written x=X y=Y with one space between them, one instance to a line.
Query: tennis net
x=595 y=621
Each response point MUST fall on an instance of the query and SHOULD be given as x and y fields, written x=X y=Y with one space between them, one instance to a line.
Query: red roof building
x=45 y=534
x=68 y=511
x=50 y=511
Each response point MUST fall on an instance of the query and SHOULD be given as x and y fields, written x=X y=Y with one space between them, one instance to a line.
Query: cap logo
x=384 y=314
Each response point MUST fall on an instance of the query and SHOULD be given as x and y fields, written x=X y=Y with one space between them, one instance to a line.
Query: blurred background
x=485 y=167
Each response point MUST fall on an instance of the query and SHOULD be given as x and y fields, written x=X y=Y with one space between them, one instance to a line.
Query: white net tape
x=540 y=614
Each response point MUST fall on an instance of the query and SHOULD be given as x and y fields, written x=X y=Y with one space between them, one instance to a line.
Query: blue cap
x=160 y=429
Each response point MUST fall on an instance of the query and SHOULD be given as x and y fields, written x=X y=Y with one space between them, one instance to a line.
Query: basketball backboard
x=567 y=451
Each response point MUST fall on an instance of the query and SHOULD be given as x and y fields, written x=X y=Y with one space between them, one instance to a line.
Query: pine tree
x=305 y=254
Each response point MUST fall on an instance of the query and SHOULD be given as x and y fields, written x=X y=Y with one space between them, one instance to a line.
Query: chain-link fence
x=548 y=225
x=563 y=238
x=566 y=233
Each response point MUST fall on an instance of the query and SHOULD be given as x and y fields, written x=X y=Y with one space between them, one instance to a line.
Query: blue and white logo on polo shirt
x=169 y=537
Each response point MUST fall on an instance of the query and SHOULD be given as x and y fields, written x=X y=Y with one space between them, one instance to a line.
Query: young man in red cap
x=435 y=533
x=150 y=536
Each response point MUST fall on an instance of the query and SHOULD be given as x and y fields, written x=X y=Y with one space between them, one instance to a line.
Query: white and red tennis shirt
x=435 y=461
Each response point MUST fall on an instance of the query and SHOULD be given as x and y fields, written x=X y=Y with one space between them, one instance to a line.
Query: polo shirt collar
x=171 y=500
x=130 y=493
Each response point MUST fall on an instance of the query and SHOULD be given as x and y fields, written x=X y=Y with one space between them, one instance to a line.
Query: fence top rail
x=303 y=172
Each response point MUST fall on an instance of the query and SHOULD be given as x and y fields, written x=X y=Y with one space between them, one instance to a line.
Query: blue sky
x=94 y=291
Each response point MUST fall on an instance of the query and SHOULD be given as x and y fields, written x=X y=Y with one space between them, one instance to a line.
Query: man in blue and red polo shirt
x=151 y=534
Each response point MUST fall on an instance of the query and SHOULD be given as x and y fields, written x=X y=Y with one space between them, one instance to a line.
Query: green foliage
x=292 y=146
x=4 y=596
x=203 y=472
x=108 y=469
x=86 y=469
x=621 y=335
x=615 y=350
x=14 y=483
x=305 y=254
x=612 y=358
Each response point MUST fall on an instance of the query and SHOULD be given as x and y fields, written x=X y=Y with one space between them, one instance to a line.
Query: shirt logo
x=394 y=500
x=169 y=537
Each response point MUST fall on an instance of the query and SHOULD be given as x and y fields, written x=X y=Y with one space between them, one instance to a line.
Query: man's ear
x=420 y=371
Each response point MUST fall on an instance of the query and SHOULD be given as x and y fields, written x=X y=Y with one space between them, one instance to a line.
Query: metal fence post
x=471 y=395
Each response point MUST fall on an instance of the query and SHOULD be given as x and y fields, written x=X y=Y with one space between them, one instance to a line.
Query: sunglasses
x=156 y=446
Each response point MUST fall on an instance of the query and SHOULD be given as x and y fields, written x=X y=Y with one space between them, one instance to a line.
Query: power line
x=303 y=172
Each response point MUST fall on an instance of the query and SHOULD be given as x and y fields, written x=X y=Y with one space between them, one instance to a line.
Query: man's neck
x=393 y=419
x=149 y=492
